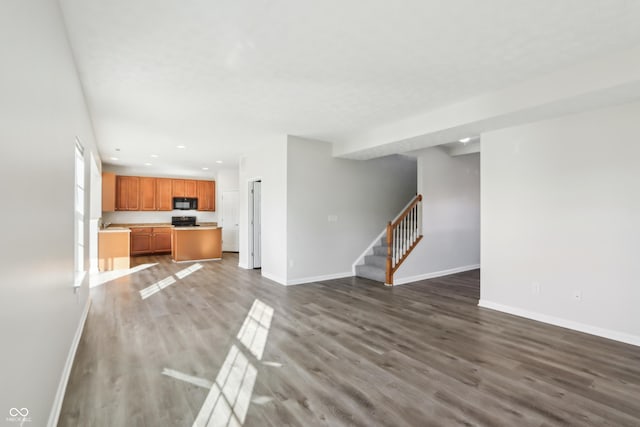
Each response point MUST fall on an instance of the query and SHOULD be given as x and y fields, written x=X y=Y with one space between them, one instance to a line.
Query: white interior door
x=257 y=224
x=230 y=221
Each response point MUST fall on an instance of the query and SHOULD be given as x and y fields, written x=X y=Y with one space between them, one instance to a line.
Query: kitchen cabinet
x=141 y=240
x=108 y=192
x=184 y=188
x=190 y=188
x=164 y=197
x=127 y=193
x=161 y=240
x=150 y=240
x=147 y=194
x=113 y=249
x=177 y=188
x=196 y=243
x=155 y=194
x=206 y=195
x=132 y=193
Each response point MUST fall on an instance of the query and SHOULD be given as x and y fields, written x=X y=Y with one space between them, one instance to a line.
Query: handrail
x=404 y=213
x=403 y=235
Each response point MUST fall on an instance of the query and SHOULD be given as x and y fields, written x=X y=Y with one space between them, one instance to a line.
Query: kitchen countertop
x=200 y=227
x=141 y=225
x=115 y=230
x=156 y=225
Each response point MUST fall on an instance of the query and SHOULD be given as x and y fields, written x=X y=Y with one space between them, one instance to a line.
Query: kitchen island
x=196 y=243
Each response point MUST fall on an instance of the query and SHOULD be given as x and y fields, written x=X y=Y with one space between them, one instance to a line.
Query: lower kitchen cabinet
x=141 y=240
x=161 y=240
x=150 y=240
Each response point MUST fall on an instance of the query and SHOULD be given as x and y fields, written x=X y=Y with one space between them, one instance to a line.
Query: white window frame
x=79 y=213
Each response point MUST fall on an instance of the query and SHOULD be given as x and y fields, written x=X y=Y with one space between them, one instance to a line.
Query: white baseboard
x=320 y=278
x=242 y=265
x=563 y=323
x=274 y=278
x=433 y=275
x=196 y=260
x=66 y=372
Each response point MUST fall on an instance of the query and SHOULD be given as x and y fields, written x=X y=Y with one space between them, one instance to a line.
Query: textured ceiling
x=222 y=75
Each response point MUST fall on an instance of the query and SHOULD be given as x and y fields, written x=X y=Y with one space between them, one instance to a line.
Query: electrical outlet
x=577 y=296
x=333 y=218
x=535 y=287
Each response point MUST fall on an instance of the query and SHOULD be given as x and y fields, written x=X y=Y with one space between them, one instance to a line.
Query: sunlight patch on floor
x=200 y=382
x=170 y=280
x=230 y=395
x=187 y=271
x=157 y=287
x=254 y=330
x=97 y=279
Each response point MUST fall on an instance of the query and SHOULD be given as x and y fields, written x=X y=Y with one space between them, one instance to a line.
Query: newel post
x=389 y=272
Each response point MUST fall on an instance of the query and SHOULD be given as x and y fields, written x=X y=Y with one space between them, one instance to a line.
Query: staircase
x=374 y=267
x=394 y=245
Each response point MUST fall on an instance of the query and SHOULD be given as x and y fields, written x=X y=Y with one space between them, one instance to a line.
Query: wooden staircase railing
x=403 y=235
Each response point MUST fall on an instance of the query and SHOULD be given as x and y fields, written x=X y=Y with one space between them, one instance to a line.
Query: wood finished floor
x=352 y=353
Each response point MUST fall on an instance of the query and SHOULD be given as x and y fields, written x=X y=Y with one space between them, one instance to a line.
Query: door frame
x=251 y=228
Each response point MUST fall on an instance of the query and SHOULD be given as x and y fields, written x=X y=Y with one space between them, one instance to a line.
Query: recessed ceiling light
x=180 y=146
x=155 y=156
x=147 y=164
x=113 y=158
x=205 y=169
x=218 y=161
x=465 y=140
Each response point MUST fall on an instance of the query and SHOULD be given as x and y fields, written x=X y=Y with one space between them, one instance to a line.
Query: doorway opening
x=255 y=224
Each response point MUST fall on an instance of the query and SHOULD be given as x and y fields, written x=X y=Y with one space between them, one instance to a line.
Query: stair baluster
x=403 y=235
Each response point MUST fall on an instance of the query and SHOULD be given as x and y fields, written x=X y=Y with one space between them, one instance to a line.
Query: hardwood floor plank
x=339 y=352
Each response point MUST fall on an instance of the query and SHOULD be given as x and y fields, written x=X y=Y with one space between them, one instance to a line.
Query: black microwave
x=185 y=203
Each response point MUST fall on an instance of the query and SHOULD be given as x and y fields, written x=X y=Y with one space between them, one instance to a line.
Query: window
x=79 y=213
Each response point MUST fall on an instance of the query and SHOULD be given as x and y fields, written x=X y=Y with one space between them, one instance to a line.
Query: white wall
x=42 y=110
x=561 y=208
x=269 y=164
x=450 y=187
x=362 y=196
x=133 y=217
x=227 y=180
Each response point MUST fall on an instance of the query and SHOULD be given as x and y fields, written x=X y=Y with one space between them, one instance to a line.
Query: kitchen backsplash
x=139 y=217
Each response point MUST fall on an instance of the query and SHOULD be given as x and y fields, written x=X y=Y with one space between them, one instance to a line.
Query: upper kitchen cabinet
x=190 y=188
x=177 y=188
x=206 y=195
x=148 y=200
x=184 y=188
x=164 y=194
x=127 y=193
x=108 y=191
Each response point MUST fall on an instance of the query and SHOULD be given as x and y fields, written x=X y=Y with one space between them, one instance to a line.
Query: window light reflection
x=157 y=287
x=97 y=279
x=187 y=271
x=230 y=396
x=254 y=330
